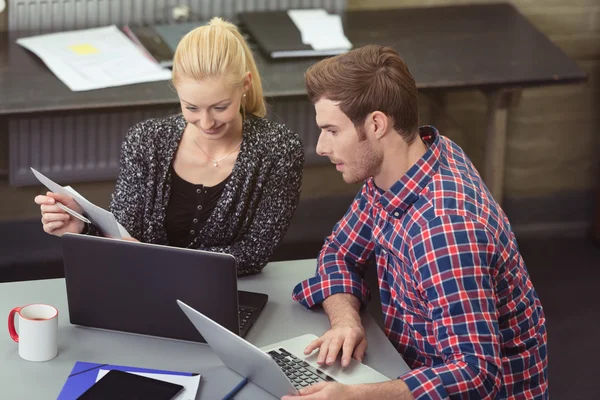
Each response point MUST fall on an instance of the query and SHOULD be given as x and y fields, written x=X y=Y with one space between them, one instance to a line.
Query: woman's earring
x=244 y=95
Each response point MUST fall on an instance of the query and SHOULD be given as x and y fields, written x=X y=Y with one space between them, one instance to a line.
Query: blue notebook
x=83 y=376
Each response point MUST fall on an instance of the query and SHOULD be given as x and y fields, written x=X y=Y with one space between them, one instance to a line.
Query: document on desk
x=319 y=29
x=104 y=220
x=190 y=383
x=94 y=58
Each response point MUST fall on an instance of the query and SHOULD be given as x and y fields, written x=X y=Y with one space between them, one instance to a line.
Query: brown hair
x=367 y=79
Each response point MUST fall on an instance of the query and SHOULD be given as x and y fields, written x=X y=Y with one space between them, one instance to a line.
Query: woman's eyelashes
x=217 y=108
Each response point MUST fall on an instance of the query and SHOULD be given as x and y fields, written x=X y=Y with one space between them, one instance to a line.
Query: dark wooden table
x=489 y=47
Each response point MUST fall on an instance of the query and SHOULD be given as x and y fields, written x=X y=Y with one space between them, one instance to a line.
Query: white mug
x=38 y=326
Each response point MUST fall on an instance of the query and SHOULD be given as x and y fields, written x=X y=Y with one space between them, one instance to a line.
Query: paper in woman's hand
x=104 y=220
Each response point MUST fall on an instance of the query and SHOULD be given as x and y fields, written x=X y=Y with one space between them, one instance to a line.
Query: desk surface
x=281 y=319
x=454 y=47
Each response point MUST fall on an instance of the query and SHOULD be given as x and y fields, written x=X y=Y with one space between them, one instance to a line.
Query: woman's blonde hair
x=219 y=50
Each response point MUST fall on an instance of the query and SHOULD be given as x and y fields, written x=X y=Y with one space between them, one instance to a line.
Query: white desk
x=282 y=318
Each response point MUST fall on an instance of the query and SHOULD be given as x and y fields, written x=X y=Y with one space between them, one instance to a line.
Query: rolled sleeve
x=343 y=257
x=315 y=290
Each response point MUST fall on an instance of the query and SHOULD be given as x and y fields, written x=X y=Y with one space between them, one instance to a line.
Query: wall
x=553 y=141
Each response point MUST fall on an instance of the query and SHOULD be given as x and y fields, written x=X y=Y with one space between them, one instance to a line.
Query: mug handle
x=11 y=324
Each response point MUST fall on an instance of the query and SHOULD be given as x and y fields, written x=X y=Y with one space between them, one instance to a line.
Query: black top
x=189 y=207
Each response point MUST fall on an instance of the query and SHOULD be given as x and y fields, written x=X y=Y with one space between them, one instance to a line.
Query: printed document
x=319 y=29
x=104 y=220
x=94 y=58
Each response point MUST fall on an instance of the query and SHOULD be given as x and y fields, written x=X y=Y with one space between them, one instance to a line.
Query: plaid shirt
x=456 y=296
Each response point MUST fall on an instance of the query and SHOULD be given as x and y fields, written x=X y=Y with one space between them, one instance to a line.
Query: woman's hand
x=56 y=221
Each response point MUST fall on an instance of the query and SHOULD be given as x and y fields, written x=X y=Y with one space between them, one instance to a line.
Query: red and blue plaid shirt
x=456 y=296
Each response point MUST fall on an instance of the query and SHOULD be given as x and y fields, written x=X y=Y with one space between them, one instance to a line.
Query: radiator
x=85 y=146
x=71 y=148
x=56 y=15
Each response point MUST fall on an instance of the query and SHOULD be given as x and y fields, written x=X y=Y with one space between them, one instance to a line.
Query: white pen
x=73 y=213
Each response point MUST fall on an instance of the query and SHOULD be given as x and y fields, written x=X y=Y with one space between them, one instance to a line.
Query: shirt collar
x=406 y=191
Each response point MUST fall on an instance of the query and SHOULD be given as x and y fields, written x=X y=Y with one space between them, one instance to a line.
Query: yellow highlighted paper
x=83 y=49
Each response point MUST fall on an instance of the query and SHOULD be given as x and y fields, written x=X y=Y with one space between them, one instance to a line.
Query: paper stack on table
x=104 y=220
x=94 y=58
x=321 y=30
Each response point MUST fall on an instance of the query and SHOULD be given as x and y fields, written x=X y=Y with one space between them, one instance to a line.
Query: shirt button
x=396 y=214
x=198 y=191
x=192 y=232
x=200 y=207
x=195 y=220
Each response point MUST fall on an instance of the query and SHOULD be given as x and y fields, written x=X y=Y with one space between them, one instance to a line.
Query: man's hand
x=395 y=389
x=346 y=332
x=324 y=391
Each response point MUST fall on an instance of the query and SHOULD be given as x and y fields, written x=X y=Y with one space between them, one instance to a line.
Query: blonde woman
x=218 y=176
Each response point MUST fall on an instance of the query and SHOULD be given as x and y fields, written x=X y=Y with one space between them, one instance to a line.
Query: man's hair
x=364 y=80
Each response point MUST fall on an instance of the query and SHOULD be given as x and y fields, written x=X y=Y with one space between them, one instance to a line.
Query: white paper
x=190 y=383
x=103 y=219
x=305 y=20
x=320 y=30
x=94 y=58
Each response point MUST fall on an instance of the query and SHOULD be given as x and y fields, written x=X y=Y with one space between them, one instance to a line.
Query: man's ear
x=379 y=123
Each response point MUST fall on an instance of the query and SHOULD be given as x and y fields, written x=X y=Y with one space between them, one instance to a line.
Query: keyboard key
x=275 y=354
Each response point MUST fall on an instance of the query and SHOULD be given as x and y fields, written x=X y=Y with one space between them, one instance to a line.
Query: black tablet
x=119 y=385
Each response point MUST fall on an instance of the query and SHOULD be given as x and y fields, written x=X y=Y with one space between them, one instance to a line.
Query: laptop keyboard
x=246 y=316
x=299 y=372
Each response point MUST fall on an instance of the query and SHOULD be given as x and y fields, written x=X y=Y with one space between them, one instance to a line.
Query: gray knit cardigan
x=257 y=204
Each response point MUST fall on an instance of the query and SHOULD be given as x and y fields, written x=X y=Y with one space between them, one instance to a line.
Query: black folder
x=278 y=37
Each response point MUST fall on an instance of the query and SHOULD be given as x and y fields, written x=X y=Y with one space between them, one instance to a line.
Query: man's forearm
x=395 y=389
x=342 y=306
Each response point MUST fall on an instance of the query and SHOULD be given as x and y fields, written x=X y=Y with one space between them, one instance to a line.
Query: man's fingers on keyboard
x=313 y=345
x=334 y=349
x=323 y=351
x=359 y=352
x=347 y=350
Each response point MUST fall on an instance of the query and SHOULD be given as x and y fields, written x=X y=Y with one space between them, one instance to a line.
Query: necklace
x=216 y=162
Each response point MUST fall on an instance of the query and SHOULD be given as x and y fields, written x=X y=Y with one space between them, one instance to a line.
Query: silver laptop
x=132 y=287
x=280 y=368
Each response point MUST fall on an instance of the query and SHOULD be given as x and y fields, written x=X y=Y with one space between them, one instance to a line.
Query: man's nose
x=322 y=147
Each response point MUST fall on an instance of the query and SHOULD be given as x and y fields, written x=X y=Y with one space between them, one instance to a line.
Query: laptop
x=132 y=287
x=280 y=368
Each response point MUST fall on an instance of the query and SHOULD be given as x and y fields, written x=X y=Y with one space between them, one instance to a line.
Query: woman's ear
x=247 y=82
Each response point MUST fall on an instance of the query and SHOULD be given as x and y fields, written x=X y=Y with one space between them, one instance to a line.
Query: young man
x=456 y=296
